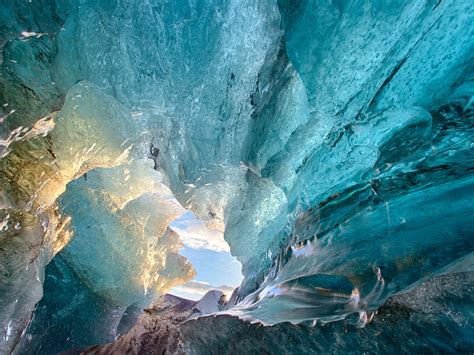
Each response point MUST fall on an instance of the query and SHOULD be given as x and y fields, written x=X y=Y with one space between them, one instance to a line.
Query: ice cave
x=236 y=176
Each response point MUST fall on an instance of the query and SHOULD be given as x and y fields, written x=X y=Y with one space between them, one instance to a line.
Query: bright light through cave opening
x=209 y=253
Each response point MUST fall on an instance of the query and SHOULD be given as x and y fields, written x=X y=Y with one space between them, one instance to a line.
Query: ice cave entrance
x=209 y=253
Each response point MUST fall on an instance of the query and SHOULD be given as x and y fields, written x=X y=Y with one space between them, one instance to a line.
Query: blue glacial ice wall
x=377 y=179
x=331 y=142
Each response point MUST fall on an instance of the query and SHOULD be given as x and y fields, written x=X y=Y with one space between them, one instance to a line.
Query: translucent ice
x=331 y=143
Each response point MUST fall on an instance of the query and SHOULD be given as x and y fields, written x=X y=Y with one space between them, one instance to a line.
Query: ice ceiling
x=330 y=141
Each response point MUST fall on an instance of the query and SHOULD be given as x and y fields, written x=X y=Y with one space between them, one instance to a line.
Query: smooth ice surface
x=330 y=142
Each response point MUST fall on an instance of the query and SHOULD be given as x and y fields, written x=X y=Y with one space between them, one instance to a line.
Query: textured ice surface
x=331 y=142
x=63 y=322
x=430 y=318
x=125 y=252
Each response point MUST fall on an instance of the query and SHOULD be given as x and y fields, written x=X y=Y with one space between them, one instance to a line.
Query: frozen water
x=331 y=143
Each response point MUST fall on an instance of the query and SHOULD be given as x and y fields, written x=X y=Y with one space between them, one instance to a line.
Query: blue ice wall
x=331 y=142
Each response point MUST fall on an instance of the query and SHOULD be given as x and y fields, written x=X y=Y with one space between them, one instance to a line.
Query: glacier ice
x=416 y=320
x=331 y=143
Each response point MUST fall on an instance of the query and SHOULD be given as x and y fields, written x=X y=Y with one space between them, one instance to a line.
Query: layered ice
x=331 y=143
